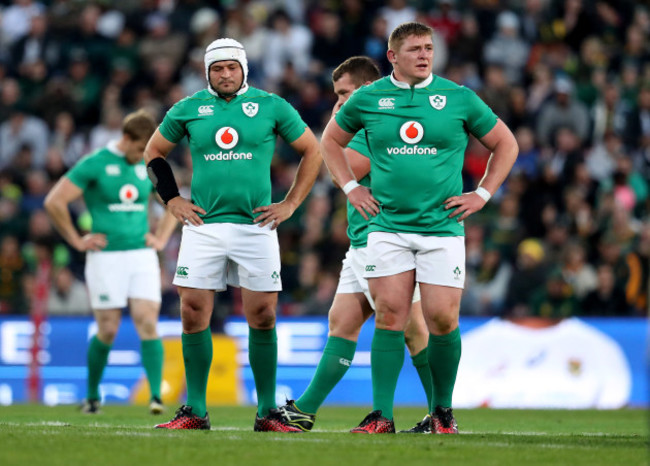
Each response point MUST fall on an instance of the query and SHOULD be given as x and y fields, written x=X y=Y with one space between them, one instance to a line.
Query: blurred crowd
x=568 y=234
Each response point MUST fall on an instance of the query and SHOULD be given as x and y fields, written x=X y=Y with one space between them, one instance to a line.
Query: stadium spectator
x=66 y=139
x=562 y=111
x=108 y=130
x=10 y=97
x=21 y=131
x=16 y=19
x=446 y=19
x=12 y=268
x=487 y=284
x=375 y=43
x=396 y=12
x=528 y=274
x=609 y=113
x=507 y=49
x=468 y=46
x=576 y=271
x=68 y=295
x=161 y=42
x=288 y=45
x=607 y=299
x=555 y=300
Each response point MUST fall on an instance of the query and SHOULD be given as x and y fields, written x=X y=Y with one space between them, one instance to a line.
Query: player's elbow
x=149 y=155
x=50 y=203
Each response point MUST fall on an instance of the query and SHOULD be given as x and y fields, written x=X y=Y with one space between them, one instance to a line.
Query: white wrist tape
x=349 y=186
x=484 y=193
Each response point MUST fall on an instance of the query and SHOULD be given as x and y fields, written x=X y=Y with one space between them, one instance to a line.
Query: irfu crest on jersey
x=250 y=108
x=438 y=101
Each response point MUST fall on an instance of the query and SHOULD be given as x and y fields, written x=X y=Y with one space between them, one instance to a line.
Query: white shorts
x=214 y=255
x=113 y=277
x=437 y=260
x=351 y=278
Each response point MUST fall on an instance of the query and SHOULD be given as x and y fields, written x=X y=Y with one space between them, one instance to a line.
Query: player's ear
x=391 y=56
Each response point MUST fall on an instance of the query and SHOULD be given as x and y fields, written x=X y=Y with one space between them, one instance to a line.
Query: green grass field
x=35 y=435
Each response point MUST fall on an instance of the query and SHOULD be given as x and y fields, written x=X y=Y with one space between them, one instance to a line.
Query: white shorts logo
x=129 y=194
x=411 y=132
x=227 y=137
x=387 y=103
x=206 y=110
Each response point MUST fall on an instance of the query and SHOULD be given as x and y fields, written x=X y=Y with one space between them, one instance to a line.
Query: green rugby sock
x=443 y=353
x=152 y=360
x=263 y=357
x=333 y=365
x=197 y=354
x=97 y=357
x=421 y=364
x=386 y=361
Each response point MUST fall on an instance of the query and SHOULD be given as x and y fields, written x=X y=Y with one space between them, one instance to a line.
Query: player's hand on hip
x=92 y=242
x=465 y=205
x=363 y=201
x=273 y=214
x=152 y=241
x=185 y=212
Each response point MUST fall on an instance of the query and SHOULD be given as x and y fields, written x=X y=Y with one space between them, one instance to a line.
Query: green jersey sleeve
x=289 y=125
x=349 y=117
x=173 y=127
x=83 y=173
x=360 y=143
x=480 y=118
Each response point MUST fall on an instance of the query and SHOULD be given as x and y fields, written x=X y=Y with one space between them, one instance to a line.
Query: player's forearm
x=166 y=226
x=499 y=165
x=308 y=171
x=60 y=216
x=336 y=162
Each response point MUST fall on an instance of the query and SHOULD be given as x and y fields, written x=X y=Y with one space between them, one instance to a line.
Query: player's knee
x=194 y=315
x=390 y=309
x=343 y=329
x=444 y=323
x=147 y=329
x=107 y=334
x=263 y=318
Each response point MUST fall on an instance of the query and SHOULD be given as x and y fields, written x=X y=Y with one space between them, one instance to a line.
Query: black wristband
x=162 y=177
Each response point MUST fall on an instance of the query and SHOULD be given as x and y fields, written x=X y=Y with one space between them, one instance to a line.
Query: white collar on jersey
x=112 y=146
x=403 y=85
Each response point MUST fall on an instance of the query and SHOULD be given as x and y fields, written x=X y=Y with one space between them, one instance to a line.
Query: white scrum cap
x=222 y=50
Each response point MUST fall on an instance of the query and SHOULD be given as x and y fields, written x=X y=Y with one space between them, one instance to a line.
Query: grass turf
x=36 y=435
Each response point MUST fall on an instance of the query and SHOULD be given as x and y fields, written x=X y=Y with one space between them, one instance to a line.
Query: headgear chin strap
x=222 y=50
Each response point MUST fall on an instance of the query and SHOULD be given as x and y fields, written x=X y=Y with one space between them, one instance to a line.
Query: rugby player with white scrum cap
x=230 y=236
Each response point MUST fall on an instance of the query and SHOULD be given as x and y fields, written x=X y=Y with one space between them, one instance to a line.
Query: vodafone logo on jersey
x=411 y=132
x=129 y=194
x=227 y=137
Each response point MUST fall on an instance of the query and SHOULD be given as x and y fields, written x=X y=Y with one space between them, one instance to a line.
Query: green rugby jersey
x=232 y=144
x=417 y=138
x=357 y=225
x=116 y=195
